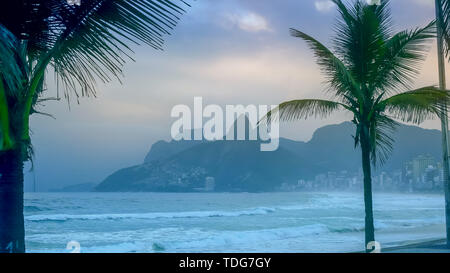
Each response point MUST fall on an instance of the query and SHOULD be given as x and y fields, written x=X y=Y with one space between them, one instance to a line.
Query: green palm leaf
x=415 y=106
x=360 y=34
x=10 y=69
x=302 y=109
x=97 y=36
x=382 y=142
x=338 y=76
x=10 y=80
x=402 y=56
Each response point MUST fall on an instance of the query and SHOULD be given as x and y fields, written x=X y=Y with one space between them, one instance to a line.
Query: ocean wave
x=246 y=240
x=185 y=240
x=294 y=238
x=152 y=215
x=33 y=208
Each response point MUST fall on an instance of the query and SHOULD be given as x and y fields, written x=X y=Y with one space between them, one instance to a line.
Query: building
x=420 y=164
x=210 y=183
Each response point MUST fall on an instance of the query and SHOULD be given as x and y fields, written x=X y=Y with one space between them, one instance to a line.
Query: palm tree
x=82 y=44
x=443 y=46
x=369 y=73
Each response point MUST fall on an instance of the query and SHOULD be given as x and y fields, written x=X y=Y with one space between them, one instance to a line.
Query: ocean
x=226 y=222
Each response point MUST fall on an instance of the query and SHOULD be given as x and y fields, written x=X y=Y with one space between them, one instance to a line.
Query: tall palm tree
x=82 y=44
x=443 y=47
x=369 y=73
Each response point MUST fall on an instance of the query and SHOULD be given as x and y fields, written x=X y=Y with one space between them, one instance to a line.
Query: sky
x=226 y=51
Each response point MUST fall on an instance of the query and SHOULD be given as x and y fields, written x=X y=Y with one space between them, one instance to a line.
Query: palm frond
x=302 y=109
x=95 y=38
x=89 y=42
x=32 y=21
x=360 y=34
x=6 y=141
x=84 y=44
x=445 y=24
x=10 y=80
x=338 y=76
x=402 y=55
x=380 y=133
x=10 y=69
x=416 y=106
x=382 y=142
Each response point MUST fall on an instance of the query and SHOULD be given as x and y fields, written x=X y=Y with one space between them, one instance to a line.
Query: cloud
x=247 y=21
x=323 y=6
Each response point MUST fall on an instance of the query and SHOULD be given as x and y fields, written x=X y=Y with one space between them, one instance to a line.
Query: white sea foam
x=152 y=215
x=185 y=240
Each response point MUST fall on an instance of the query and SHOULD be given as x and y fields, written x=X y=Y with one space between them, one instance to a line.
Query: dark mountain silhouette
x=241 y=166
x=163 y=149
x=332 y=147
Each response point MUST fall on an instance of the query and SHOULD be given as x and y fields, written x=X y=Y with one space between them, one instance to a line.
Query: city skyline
x=422 y=173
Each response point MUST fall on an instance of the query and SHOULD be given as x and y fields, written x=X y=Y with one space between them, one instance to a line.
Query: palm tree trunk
x=444 y=118
x=12 y=230
x=368 y=203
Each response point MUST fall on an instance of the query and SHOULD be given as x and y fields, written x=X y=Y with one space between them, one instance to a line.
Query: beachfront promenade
x=436 y=246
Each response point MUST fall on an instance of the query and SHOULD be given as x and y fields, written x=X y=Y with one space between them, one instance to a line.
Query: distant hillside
x=331 y=147
x=241 y=166
x=163 y=149
x=236 y=166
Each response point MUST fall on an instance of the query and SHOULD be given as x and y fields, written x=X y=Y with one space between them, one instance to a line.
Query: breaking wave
x=152 y=215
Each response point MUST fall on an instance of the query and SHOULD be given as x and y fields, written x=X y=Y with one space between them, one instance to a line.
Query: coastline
x=428 y=239
x=424 y=246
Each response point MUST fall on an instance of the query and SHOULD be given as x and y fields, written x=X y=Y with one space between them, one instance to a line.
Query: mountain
x=163 y=149
x=241 y=166
x=332 y=147
x=235 y=166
